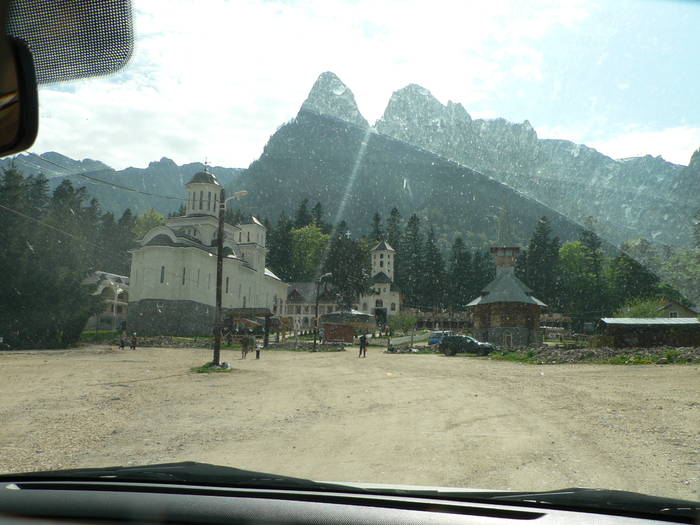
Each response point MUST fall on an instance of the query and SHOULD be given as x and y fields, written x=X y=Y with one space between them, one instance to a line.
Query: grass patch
x=519 y=357
x=209 y=368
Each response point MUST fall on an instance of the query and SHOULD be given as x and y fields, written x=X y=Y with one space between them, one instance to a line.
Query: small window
x=393 y=307
x=381 y=264
x=248 y=237
x=673 y=315
x=298 y=309
x=226 y=284
x=184 y=272
x=244 y=301
x=201 y=199
x=208 y=200
x=378 y=303
x=381 y=255
x=162 y=274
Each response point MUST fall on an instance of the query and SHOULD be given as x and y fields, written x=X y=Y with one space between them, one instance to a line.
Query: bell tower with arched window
x=203 y=193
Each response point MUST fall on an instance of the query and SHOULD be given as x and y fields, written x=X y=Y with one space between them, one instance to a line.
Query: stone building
x=301 y=304
x=506 y=313
x=114 y=290
x=173 y=272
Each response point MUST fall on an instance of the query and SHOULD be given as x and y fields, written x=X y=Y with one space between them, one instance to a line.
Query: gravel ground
x=415 y=419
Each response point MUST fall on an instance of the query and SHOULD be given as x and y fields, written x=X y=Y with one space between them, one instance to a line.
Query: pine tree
x=393 y=229
x=460 y=276
x=303 y=217
x=630 y=280
x=280 y=249
x=349 y=264
x=541 y=263
x=593 y=264
x=376 y=233
x=411 y=259
x=483 y=272
x=432 y=273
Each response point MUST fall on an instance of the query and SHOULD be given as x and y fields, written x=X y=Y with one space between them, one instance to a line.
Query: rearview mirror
x=18 y=97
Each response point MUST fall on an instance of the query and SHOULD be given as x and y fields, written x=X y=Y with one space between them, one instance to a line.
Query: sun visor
x=72 y=39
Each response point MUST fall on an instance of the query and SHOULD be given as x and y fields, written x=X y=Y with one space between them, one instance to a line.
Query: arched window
x=378 y=303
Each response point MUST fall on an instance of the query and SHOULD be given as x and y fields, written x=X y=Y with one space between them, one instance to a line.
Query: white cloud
x=216 y=79
x=675 y=144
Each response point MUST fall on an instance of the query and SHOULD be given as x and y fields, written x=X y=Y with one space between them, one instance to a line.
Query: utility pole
x=216 y=358
x=219 y=279
x=316 y=321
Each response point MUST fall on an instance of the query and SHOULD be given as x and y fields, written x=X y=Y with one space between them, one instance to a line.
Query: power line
x=46 y=225
x=101 y=181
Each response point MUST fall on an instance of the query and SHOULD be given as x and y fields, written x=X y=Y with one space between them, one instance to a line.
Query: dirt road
x=415 y=419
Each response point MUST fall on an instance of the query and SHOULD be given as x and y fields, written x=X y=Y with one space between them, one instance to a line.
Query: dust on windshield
x=449 y=245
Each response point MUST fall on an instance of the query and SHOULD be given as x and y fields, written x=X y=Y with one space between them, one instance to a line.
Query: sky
x=213 y=80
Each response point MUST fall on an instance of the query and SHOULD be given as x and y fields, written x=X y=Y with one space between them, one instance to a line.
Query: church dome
x=204 y=177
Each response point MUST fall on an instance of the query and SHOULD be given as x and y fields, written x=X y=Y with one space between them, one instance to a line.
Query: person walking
x=363 y=346
x=244 y=345
x=122 y=340
x=133 y=341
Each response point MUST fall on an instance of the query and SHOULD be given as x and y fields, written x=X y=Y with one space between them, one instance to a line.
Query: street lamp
x=318 y=285
x=219 y=271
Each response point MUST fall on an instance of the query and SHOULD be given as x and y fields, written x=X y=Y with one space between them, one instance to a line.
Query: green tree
x=308 y=247
x=460 y=276
x=541 y=264
x=348 y=261
x=146 y=222
x=630 y=280
x=393 y=229
x=432 y=278
x=483 y=272
x=376 y=233
x=280 y=245
x=303 y=217
x=44 y=303
x=640 y=308
x=402 y=322
x=411 y=261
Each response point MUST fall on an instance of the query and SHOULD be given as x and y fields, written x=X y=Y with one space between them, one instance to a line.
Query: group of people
x=132 y=341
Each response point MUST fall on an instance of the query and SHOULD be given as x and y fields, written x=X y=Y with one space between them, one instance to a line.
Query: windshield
x=237 y=249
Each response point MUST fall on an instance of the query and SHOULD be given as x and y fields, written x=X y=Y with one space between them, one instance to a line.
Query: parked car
x=437 y=335
x=450 y=345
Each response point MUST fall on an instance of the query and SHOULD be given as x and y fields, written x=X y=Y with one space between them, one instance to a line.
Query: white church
x=173 y=273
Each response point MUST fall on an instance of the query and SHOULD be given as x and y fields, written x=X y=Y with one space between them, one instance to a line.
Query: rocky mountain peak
x=413 y=101
x=329 y=96
x=694 y=163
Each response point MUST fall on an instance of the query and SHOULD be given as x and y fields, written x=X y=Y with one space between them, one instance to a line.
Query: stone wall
x=162 y=317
